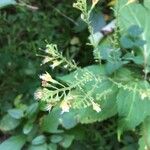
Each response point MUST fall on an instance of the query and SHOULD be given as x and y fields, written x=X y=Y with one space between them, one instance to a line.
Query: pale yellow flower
x=65 y=106
x=94 y=2
x=47 y=77
x=38 y=94
x=48 y=107
x=46 y=60
x=96 y=107
x=130 y=1
x=143 y=95
x=55 y=64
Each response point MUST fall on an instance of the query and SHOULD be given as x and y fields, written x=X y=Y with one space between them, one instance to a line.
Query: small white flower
x=145 y=148
x=55 y=64
x=65 y=66
x=48 y=107
x=38 y=94
x=96 y=107
x=70 y=97
x=46 y=60
x=143 y=96
x=47 y=77
x=65 y=106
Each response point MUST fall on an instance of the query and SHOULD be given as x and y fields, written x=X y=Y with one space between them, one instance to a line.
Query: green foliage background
x=120 y=85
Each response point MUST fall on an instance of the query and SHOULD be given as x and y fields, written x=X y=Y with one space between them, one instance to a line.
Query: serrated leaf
x=16 y=113
x=129 y=15
x=108 y=109
x=144 y=142
x=95 y=69
x=131 y=107
x=39 y=140
x=9 y=123
x=13 y=143
x=104 y=87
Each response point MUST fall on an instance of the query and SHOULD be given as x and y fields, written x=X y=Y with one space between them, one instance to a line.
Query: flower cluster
x=55 y=58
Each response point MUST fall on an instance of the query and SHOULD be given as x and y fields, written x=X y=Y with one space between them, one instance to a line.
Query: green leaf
x=136 y=59
x=38 y=147
x=124 y=74
x=39 y=140
x=13 y=143
x=131 y=106
x=67 y=141
x=139 y=43
x=108 y=109
x=68 y=120
x=16 y=113
x=9 y=123
x=32 y=110
x=51 y=121
x=103 y=50
x=4 y=3
x=144 y=142
x=113 y=66
x=28 y=127
x=56 y=138
x=94 y=69
x=104 y=94
x=126 y=42
x=52 y=146
x=129 y=15
x=135 y=31
x=33 y=133
x=97 y=21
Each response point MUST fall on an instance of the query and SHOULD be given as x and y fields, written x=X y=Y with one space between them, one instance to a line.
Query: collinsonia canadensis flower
x=94 y=2
x=46 y=60
x=96 y=107
x=47 y=77
x=38 y=94
x=65 y=106
x=56 y=63
x=48 y=107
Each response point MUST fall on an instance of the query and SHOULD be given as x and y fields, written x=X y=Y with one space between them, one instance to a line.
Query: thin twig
x=62 y=14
